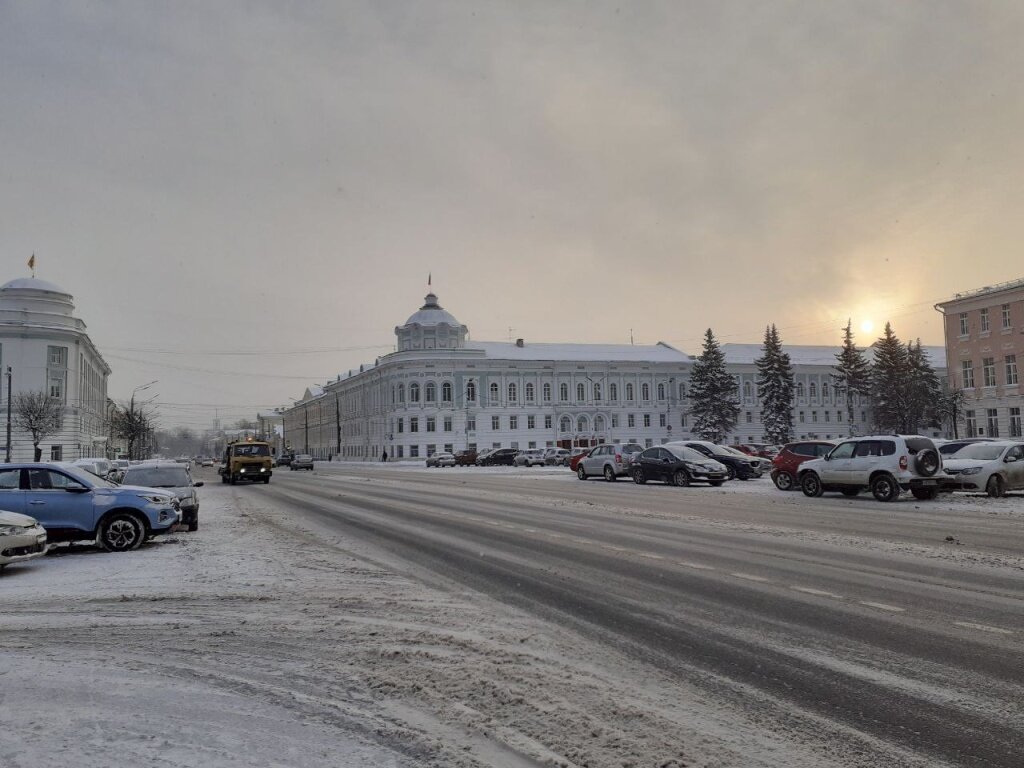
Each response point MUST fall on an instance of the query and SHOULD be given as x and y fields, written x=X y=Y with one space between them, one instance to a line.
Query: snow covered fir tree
x=852 y=375
x=775 y=387
x=713 y=400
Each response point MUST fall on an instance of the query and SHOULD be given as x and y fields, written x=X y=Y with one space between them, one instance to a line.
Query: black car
x=949 y=449
x=285 y=459
x=678 y=465
x=502 y=456
x=736 y=465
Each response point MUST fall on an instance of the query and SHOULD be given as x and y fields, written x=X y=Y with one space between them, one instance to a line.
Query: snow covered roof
x=32 y=284
x=807 y=354
x=632 y=353
x=432 y=313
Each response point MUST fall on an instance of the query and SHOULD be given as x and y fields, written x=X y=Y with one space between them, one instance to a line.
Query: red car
x=762 y=450
x=792 y=456
x=577 y=454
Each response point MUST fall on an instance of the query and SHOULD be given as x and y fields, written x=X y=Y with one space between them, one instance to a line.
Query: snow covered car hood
x=139 y=489
x=958 y=464
x=16 y=518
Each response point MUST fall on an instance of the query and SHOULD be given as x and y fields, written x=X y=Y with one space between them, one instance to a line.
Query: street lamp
x=9 y=398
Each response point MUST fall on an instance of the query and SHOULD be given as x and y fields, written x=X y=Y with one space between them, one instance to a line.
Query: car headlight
x=156 y=498
x=971 y=471
x=12 y=530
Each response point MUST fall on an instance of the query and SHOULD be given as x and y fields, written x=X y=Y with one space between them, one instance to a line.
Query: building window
x=1011 y=370
x=581 y=424
x=401 y=393
x=447 y=423
x=547 y=393
x=494 y=393
x=813 y=390
x=750 y=417
x=984 y=320
x=972 y=424
x=802 y=419
x=629 y=393
x=988 y=371
x=748 y=391
x=414 y=393
x=529 y=392
x=56 y=452
x=581 y=393
x=814 y=416
x=1015 y=422
x=824 y=392
x=56 y=387
x=992 y=416
x=446 y=392
x=430 y=392
x=965 y=327
x=414 y=424
x=495 y=423
x=431 y=449
x=645 y=392
x=547 y=421
x=471 y=423
x=828 y=416
x=613 y=392
x=565 y=424
x=401 y=450
x=531 y=422
x=1006 y=315
x=967 y=374
x=401 y=425
x=563 y=392
x=615 y=421
x=471 y=391
x=662 y=420
x=513 y=422
x=630 y=420
x=800 y=389
x=449 y=448
x=513 y=393
x=647 y=419
x=661 y=391
x=414 y=451
x=57 y=357
x=597 y=392
x=682 y=391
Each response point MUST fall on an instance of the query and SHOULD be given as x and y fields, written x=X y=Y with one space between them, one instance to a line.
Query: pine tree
x=889 y=377
x=713 y=393
x=852 y=374
x=924 y=391
x=775 y=388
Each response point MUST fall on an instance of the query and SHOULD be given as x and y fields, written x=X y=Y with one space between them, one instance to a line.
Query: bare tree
x=39 y=414
x=132 y=424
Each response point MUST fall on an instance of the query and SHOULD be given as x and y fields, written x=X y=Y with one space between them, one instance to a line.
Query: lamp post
x=9 y=398
x=131 y=409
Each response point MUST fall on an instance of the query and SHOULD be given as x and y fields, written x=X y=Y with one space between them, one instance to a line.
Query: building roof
x=32 y=284
x=808 y=354
x=632 y=353
x=432 y=313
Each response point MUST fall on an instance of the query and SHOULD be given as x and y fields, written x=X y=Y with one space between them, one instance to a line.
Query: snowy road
x=390 y=616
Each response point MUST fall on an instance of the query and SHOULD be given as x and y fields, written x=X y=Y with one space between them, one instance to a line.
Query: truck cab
x=246 y=460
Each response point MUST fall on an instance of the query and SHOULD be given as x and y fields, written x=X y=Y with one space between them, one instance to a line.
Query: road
x=879 y=634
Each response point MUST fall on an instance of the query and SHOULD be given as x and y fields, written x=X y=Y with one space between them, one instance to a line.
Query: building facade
x=46 y=348
x=442 y=392
x=983 y=332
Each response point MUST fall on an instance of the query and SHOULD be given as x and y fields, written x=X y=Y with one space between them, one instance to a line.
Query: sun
x=866 y=326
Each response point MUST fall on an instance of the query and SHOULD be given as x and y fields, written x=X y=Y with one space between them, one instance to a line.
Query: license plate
x=929 y=482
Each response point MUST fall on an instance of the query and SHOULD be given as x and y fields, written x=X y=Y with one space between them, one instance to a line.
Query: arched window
x=629 y=393
x=563 y=392
x=661 y=391
x=565 y=424
x=581 y=393
x=682 y=391
x=547 y=393
x=529 y=392
x=582 y=425
x=401 y=393
x=414 y=393
x=813 y=389
x=824 y=391
x=645 y=392
x=446 y=392
x=613 y=392
x=494 y=392
x=599 y=423
x=471 y=391
x=513 y=393
x=748 y=391
x=799 y=389
x=597 y=391
x=430 y=392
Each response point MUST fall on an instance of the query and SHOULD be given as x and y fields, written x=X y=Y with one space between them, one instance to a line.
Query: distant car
x=792 y=455
x=443 y=459
x=531 y=457
x=466 y=457
x=483 y=454
x=206 y=462
x=285 y=459
x=98 y=466
x=994 y=468
x=763 y=450
x=75 y=505
x=676 y=465
x=576 y=456
x=500 y=457
x=556 y=457
x=301 y=461
x=950 y=448
x=171 y=477
x=21 y=538
x=610 y=460
x=737 y=464
x=759 y=463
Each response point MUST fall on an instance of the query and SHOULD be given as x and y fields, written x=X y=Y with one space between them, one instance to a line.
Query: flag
x=429 y=276
x=32 y=262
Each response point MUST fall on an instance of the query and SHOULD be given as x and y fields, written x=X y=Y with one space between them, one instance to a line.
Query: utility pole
x=9 y=398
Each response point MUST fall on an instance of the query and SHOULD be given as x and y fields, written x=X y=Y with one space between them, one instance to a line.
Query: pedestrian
x=330 y=457
x=384 y=457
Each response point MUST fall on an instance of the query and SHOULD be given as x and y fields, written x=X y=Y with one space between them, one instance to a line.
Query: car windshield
x=685 y=454
x=252 y=450
x=981 y=451
x=157 y=477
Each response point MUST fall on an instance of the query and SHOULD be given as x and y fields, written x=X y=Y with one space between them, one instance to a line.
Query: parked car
x=466 y=457
x=737 y=464
x=284 y=460
x=171 y=477
x=556 y=457
x=21 y=538
x=301 y=461
x=576 y=456
x=502 y=456
x=443 y=459
x=75 y=505
x=950 y=448
x=677 y=465
x=97 y=466
x=609 y=460
x=883 y=464
x=481 y=455
x=792 y=455
x=759 y=463
x=995 y=468
x=531 y=457
x=763 y=450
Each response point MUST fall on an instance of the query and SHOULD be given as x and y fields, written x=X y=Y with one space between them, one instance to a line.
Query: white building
x=47 y=348
x=441 y=391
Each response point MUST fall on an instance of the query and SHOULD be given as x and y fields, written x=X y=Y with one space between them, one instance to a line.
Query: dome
x=32 y=284
x=431 y=313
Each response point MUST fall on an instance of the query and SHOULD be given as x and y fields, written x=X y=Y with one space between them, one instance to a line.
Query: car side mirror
x=1009 y=459
x=76 y=489
x=199 y=484
x=827 y=457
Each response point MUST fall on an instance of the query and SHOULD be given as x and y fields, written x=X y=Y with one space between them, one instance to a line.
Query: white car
x=443 y=459
x=21 y=538
x=532 y=457
x=994 y=468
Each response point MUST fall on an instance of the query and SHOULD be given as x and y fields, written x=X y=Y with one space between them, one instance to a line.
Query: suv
x=175 y=479
x=885 y=464
x=611 y=460
x=792 y=455
x=502 y=456
x=556 y=457
x=531 y=457
x=75 y=505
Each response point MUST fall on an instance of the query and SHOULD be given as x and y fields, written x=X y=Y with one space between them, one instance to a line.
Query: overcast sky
x=281 y=177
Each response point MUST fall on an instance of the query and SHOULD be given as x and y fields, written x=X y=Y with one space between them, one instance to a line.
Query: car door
x=665 y=463
x=592 y=461
x=1014 y=464
x=836 y=470
x=12 y=497
x=57 y=500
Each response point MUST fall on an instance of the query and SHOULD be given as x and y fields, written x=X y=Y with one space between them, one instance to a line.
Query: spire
x=429 y=278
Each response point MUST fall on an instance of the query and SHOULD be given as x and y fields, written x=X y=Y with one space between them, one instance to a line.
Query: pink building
x=983 y=330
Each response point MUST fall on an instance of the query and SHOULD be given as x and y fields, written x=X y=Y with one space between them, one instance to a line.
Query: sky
x=246 y=198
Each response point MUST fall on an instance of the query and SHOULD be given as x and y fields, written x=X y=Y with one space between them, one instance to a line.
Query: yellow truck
x=246 y=460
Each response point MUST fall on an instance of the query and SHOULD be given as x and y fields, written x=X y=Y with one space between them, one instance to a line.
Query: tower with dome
x=46 y=347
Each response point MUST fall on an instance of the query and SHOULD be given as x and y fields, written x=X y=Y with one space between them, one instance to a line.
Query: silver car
x=174 y=478
x=21 y=538
x=556 y=457
x=443 y=459
x=532 y=457
x=610 y=461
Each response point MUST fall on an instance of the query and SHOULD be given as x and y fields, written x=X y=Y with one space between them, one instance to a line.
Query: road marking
x=649 y=556
x=819 y=592
x=613 y=548
x=983 y=627
x=883 y=606
x=748 y=577
x=698 y=566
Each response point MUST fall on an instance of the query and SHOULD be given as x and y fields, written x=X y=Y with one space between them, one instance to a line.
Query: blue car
x=74 y=505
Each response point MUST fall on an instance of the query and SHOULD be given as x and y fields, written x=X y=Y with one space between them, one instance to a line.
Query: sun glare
x=867 y=326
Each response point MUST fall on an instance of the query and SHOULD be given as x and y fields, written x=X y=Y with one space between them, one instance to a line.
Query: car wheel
x=581 y=473
x=224 y=479
x=121 y=532
x=927 y=462
x=638 y=476
x=884 y=488
x=681 y=478
x=810 y=484
x=266 y=481
x=234 y=480
x=609 y=475
x=730 y=472
x=784 y=481
x=995 y=487
x=925 y=494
